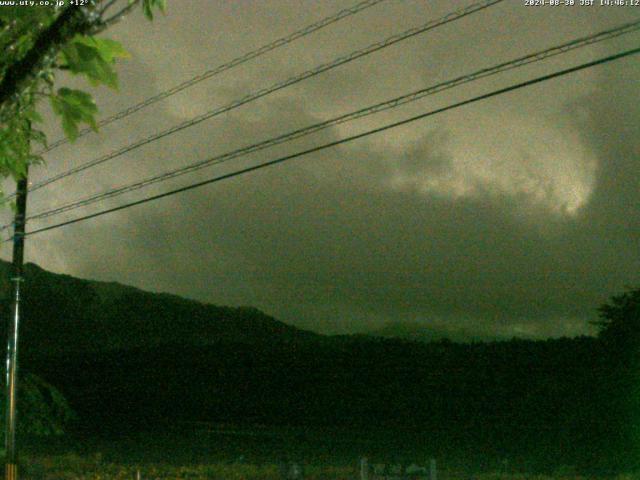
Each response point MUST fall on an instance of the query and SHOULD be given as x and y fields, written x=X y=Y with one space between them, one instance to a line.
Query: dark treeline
x=130 y=359
x=556 y=401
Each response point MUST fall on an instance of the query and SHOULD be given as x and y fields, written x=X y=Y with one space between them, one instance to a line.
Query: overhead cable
x=360 y=113
x=458 y=14
x=351 y=138
x=281 y=42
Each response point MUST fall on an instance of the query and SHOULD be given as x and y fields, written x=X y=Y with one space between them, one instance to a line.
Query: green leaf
x=74 y=106
x=33 y=116
x=108 y=49
x=146 y=8
x=39 y=137
x=49 y=78
x=69 y=126
x=35 y=13
x=93 y=58
x=149 y=5
x=15 y=143
x=36 y=159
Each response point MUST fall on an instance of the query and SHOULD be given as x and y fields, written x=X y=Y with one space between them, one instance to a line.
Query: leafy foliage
x=620 y=319
x=42 y=409
x=149 y=5
x=74 y=106
x=15 y=143
x=80 y=54
x=93 y=57
x=19 y=30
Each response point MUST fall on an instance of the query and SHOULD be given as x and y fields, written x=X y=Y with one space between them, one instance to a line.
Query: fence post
x=433 y=472
x=364 y=469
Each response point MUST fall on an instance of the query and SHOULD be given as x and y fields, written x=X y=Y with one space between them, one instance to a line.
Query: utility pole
x=11 y=465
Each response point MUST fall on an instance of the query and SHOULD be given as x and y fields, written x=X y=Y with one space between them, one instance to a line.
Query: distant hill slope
x=419 y=332
x=67 y=314
x=408 y=331
x=129 y=359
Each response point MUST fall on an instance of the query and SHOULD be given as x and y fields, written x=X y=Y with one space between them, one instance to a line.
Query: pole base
x=11 y=471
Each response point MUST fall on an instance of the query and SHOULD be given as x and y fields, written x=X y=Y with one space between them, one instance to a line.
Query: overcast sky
x=518 y=215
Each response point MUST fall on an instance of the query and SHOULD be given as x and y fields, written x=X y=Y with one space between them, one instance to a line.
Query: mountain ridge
x=62 y=313
x=420 y=332
x=127 y=360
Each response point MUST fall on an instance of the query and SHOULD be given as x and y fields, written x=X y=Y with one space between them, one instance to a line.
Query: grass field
x=76 y=467
x=204 y=451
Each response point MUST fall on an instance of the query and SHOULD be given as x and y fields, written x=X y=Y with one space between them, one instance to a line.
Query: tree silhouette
x=619 y=321
x=618 y=391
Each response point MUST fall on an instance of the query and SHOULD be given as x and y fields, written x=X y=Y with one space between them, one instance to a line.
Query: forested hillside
x=128 y=359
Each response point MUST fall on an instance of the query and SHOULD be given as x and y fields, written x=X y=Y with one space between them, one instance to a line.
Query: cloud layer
x=517 y=216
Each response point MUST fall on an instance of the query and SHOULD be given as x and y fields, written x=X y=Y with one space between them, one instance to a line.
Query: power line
x=344 y=140
x=456 y=15
x=281 y=42
x=363 y=112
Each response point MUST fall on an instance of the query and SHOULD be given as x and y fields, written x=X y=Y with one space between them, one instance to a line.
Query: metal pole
x=11 y=465
x=364 y=468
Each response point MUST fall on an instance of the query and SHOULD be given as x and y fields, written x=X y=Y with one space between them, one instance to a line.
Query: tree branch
x=115 y=18
x=70 y=22
x=109 y=4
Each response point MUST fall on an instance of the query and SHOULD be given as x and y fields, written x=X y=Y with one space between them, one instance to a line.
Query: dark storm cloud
x=397 y=227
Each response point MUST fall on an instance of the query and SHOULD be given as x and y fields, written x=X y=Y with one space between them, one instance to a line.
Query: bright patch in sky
x=528 y=158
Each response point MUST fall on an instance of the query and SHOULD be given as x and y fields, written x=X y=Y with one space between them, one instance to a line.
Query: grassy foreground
x=76 y=467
